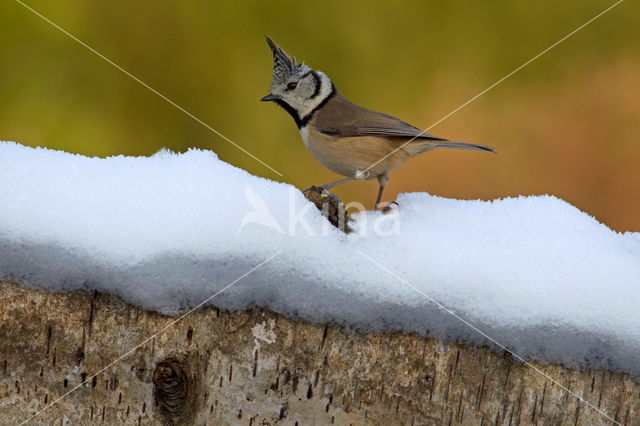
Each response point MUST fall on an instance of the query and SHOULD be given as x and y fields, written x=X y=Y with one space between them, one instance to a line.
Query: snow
x=166 y=232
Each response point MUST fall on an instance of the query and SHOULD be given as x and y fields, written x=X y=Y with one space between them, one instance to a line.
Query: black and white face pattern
x=296 y=87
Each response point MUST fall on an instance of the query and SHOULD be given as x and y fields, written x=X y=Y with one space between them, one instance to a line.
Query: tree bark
x=257 y=367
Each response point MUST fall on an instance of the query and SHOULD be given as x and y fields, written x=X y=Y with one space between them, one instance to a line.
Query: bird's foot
x=325 y=194
x=387 y=207
x=321 y=190
x=316 y=188
x=320 y=193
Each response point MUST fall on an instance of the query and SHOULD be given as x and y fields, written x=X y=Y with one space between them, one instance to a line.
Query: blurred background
x=568 y=124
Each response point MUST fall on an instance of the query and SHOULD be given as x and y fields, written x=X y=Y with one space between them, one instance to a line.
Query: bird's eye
x=292 y=86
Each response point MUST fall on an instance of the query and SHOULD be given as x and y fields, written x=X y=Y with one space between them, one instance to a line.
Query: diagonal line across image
x=151 y=89
x=494 y=341
x=148 y=339
x=495 y=84
x=280 y=174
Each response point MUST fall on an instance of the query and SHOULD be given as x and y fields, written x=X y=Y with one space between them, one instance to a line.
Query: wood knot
x=176 y=389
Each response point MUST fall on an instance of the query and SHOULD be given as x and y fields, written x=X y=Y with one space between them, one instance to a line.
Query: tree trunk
x=257 y=367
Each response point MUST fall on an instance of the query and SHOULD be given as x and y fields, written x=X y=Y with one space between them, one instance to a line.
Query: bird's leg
x=379 y=196
x=338 y=182
x=382 y=180
x=332 y=184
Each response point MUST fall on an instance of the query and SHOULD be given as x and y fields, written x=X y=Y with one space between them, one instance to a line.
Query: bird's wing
x=342 y=118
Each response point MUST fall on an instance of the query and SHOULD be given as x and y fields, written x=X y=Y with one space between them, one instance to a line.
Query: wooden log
x=260 y=368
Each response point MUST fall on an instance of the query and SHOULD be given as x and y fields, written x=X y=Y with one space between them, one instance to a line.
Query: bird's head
x=296 y=87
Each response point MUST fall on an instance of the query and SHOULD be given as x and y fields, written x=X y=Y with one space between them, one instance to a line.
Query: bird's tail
x=463 y=145
x=419 y=146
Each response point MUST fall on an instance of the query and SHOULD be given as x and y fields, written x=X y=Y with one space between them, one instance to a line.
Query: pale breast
x=345 y=156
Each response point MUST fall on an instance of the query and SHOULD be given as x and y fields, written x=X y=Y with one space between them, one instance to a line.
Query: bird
x=346 y=138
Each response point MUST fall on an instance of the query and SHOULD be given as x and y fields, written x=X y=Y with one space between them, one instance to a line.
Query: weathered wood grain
x=257 y=367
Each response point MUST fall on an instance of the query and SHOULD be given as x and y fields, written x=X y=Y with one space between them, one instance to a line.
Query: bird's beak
x=269 y=97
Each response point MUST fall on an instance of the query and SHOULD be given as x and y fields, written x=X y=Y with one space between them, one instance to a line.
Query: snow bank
x=168 y=231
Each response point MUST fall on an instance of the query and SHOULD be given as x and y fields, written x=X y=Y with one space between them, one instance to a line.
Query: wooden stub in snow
x=259 y=368
x=330 y=206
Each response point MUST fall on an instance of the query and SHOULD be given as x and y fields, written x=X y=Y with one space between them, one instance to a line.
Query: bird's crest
x=284 y=66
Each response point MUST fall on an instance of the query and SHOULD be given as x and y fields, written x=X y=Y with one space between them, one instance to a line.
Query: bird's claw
x=324 y=192
x=316 y=188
